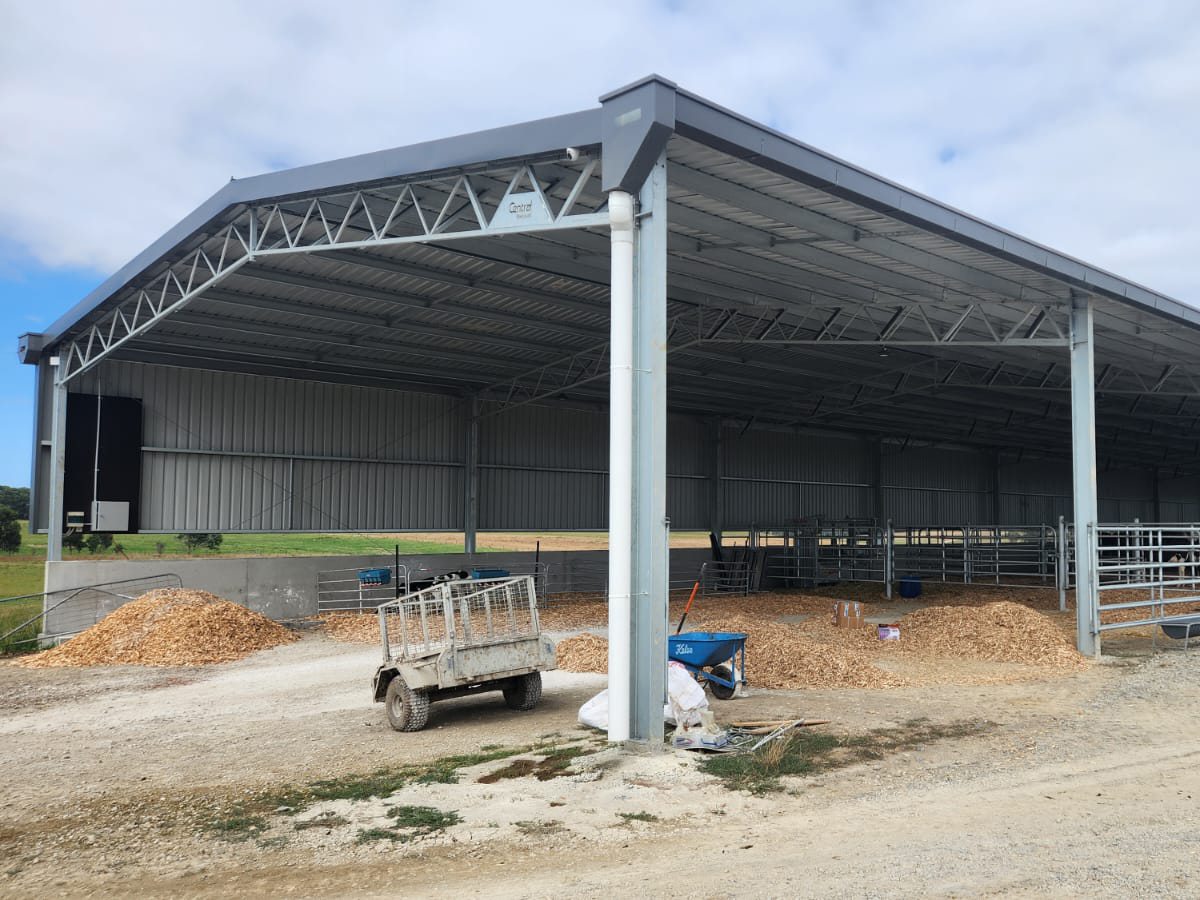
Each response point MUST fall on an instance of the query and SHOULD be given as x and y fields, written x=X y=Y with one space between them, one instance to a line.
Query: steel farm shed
x=651 y=310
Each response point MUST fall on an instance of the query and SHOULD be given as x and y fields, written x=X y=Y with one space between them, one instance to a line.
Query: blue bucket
x=910 y=587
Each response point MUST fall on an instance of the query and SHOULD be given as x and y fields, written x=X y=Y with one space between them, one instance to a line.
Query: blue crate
x=374 y=577
x=489 y=573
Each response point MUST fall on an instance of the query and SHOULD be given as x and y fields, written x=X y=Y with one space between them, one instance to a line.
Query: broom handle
x=688 y=608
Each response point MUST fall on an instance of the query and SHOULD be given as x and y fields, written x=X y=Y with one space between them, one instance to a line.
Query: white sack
x=685 y=700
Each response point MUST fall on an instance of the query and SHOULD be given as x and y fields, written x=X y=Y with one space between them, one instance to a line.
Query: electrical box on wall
x=110 y=515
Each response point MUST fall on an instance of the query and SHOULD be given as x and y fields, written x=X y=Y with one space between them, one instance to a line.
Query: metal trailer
x=457 y=638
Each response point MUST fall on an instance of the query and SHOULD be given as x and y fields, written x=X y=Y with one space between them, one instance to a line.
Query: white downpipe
x=620 y=467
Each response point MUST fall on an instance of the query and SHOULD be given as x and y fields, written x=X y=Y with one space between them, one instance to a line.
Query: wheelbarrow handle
x=688 y=608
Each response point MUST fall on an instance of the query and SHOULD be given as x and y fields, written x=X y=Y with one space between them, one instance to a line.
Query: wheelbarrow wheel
x=719 y=690
x=407 y=710
x=524 y=692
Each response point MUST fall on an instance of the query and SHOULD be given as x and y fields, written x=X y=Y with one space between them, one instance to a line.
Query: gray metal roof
x=769 y=240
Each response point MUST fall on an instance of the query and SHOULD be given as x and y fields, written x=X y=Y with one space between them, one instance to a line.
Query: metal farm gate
x=816 y=552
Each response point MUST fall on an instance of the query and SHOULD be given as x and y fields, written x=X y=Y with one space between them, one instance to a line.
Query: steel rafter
x=419 y=210
x=900 y=326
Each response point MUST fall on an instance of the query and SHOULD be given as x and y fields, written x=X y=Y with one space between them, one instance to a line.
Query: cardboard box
x=847 y=614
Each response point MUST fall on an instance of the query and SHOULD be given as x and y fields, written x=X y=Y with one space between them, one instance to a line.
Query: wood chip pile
x=583 y=653
x=782 y=656
x=352 y=627
x=1000 y=632
x=952 y=643
x=168 y=627
x=777 y=656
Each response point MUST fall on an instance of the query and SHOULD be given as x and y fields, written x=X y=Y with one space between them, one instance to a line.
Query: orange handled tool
x=687 y=609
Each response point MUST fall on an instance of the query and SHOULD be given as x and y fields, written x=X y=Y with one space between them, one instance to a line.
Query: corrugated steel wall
x=1179 y=499
x=935 y=486
x=228 y=452
x=773 y=477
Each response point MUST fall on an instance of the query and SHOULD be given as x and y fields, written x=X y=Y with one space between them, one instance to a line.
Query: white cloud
x=1073 y=123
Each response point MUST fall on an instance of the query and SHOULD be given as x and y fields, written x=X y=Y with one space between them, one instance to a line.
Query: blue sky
x=1073 y=123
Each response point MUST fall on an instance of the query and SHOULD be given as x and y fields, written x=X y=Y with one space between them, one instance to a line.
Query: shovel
x=687 y=609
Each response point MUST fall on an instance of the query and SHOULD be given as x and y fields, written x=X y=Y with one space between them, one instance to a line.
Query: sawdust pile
x=1000 y=632
x=583 y=653
x=168 y=627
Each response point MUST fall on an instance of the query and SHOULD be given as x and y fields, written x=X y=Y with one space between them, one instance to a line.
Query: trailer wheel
x=407 y=710
x=719 y=690
x=524 y=692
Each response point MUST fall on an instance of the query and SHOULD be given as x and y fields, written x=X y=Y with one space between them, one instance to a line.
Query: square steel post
x=1083 y=466
x=649 y=579
x=876 y=452
x=716 y=505
x=994 y=465
x=471 y=477
x=58 y=465
x=1156 y=496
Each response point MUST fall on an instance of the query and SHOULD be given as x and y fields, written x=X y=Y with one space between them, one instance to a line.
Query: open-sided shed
x=650 y=308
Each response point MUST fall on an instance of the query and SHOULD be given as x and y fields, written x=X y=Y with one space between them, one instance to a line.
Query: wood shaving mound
x=1000 y=632
x=168 y=627
x=583 y=653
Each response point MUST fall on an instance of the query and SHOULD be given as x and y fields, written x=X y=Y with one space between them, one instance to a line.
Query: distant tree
x=10 y=530
x=200 y=541
x=16 y=499
x=98 y=542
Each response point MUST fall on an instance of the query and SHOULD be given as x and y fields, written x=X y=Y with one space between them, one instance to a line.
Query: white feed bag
x=685 y=700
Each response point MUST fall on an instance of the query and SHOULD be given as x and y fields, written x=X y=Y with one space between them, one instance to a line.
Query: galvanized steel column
x=621 y=424
x=1083 y=465
x=877 y=510
x=994 y=464
x=471 y=477
x=716 y=506
x=649 y=576
x=1156 y=496
x=58 y=465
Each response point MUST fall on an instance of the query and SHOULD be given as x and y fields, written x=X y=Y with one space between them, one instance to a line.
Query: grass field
x=143 y=546
x=21 y=572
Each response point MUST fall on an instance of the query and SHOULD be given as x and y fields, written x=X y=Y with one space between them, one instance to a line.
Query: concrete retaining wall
x=286 y=587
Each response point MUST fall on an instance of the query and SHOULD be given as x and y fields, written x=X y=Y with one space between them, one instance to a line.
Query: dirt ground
x=1082 y=786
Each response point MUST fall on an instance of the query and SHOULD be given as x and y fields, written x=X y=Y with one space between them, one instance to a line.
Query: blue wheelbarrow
x=718 y=657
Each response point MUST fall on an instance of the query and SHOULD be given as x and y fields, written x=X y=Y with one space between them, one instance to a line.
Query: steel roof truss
x=263 y=231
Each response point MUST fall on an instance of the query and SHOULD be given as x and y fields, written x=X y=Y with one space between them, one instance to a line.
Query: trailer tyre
x=524 y=692
x=719 y=690
x=407 y=710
